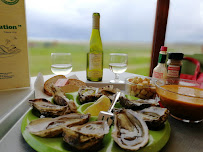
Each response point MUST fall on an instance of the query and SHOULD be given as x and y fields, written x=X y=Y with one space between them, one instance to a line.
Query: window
x=65 y=26
x=185 y=26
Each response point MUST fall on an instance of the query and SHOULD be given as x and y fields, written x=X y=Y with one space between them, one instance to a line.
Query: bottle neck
x=163 y=52
x=162 y=58
x=96 y=22
x=161 y=64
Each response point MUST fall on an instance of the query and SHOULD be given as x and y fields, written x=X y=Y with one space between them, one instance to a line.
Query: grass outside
x=138 y=55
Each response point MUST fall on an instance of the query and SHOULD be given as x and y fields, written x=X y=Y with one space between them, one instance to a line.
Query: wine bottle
x=95 y=55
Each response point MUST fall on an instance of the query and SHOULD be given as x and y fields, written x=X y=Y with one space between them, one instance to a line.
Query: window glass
x=65 y=26
x=185 y=26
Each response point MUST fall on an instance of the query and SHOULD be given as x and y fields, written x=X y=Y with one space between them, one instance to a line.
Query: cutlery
x=108 y=115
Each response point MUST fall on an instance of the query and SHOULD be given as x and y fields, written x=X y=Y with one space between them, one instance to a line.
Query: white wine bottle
x=95 y=56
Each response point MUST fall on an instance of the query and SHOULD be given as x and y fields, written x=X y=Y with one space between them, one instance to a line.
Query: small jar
x=174 y=65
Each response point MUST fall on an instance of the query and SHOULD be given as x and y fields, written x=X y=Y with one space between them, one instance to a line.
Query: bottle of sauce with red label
x=160 y=71
x=174 y=65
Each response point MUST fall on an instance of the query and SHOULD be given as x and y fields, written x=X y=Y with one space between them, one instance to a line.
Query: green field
x=138 y=55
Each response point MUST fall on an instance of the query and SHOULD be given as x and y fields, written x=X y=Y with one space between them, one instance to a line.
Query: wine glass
x=118 y=64
x=61 y=63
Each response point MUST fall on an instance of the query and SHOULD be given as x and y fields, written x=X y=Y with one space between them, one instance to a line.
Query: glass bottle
x=174 y=65
x=160 y=71
x=94 y=69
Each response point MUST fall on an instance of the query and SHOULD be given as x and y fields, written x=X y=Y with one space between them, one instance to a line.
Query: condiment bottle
x=160 y=71
x=95 y=56
x=174 y=65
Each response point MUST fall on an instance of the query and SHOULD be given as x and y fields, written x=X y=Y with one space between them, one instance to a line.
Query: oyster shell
x=86 y=137
x=109 y=91
x=50 y=127
x=154 y=117
x=60 y=99
x=138 y=104
x=88 y=94
x=130 y=131
x=48 y=109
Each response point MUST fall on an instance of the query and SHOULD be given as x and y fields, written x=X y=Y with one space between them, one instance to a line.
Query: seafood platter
x=68 y=122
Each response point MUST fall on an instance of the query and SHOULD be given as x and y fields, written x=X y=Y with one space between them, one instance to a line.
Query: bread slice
x=47 y=84
x=76 y=82
x=72 y=85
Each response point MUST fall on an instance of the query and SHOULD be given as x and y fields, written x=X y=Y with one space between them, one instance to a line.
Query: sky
x=121 y=20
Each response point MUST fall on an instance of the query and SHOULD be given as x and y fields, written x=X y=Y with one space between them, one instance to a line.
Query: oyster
x=154 y=117
x=130 y=131
x=138 y=104
x=60 y=99
x=88 y=94
x=109 y=91
x=50 y=127
x=86 y=137
x=48 y=109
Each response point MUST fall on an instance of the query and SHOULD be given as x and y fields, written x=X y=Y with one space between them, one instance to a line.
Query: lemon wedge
x=102 y=104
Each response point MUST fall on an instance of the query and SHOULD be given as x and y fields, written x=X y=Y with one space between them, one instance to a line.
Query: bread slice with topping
x=72 y=85
x=49 y=82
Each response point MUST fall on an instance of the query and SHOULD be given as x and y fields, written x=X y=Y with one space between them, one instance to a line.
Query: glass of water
x=118 y=64
x=61 y=63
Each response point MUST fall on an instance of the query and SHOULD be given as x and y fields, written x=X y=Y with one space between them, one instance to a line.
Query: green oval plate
x=157 y=139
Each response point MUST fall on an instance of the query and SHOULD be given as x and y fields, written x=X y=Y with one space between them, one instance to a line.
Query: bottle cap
x=96 y=14
x=175 y=56
x=163 y=48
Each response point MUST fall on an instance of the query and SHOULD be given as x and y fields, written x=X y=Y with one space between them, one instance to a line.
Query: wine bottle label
x=174 y=71
x=95 y=66
x=95 y=61
x=95 y=24
x=95 y=73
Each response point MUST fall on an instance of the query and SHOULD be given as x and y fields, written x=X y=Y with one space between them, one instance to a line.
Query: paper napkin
x=39 y=87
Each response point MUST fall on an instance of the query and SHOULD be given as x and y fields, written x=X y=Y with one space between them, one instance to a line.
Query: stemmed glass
x=61 y=63
x=118 y=64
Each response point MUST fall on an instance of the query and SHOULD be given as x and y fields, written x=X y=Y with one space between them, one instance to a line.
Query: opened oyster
x=60 y=99
x=130 y=131
x=48 y=109
x=154 y=117
x=138 y=104
x=86 y=137
x=109 y=91
x=88 y=94
x=50 y=127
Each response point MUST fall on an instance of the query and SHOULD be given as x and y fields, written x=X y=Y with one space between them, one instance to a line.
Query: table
x=184 y=137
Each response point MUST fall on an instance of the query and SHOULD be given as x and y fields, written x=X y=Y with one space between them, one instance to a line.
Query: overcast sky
x=121 y=20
